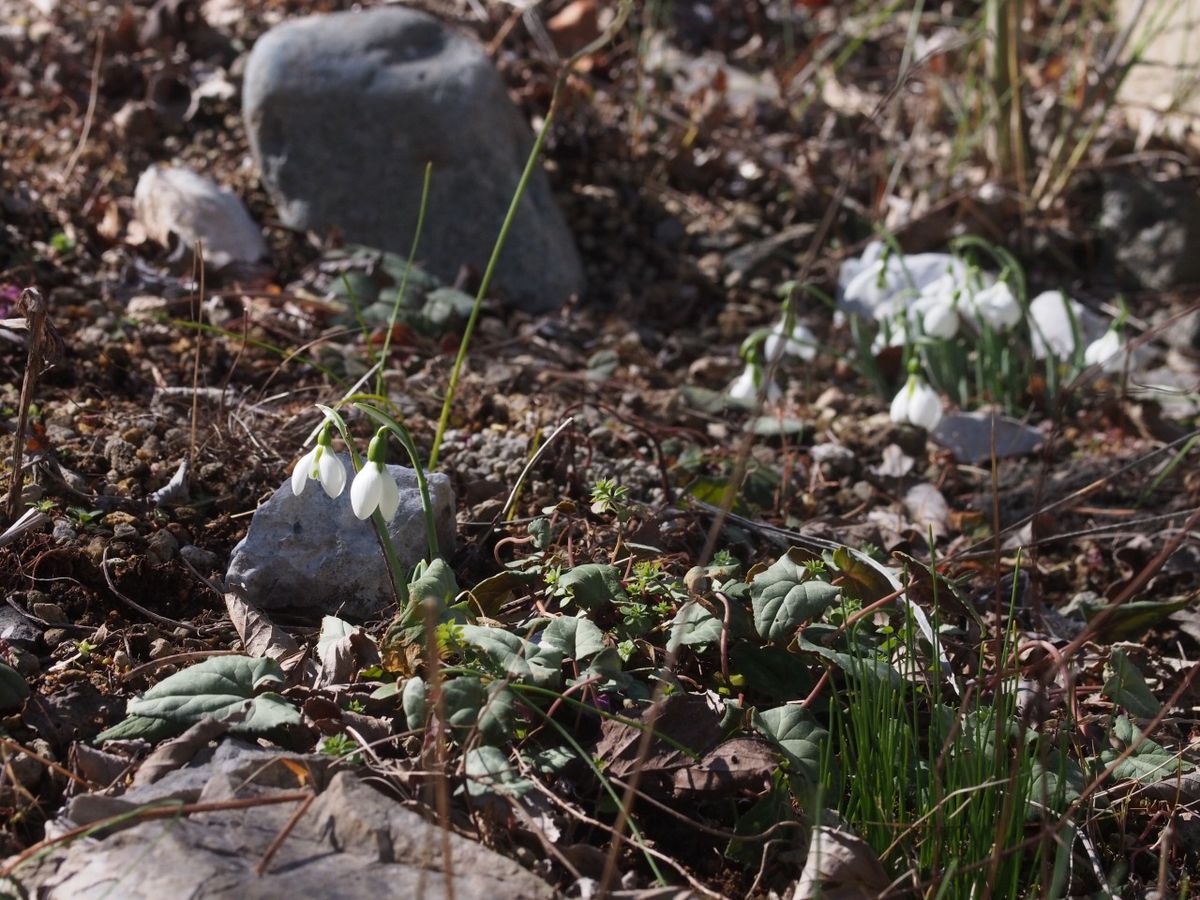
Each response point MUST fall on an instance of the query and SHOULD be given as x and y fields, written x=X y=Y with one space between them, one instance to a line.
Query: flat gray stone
x=310 y=551
x=344 y=110
x=351 y=843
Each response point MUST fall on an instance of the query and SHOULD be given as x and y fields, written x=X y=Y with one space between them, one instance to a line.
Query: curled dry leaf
x=928 y=509
x=840 y=866
x=262 y=637
x=178 y=752
x=195 y=209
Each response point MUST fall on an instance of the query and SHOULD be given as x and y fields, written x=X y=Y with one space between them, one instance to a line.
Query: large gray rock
x=311 y=552
x=1152 y=229
x=344 y=110
x=351 y=843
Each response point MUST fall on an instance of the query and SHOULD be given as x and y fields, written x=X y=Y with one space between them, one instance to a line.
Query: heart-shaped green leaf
x=218 y=688
x=593 y=585
x=784 y=598
x=573 y=638
x=798 y=735
x=514 y=656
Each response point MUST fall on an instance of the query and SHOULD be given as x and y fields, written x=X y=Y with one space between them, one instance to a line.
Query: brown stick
x=33 y=308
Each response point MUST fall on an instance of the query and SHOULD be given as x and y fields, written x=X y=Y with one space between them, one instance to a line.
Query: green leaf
x=470 y=703
x=496 y=716
x=593 y=584
x=771 y=670
x=13 y=689
x=413 y=702
x=1151 y=762
x=514 y=656
x=437 y=582
x=1130 y=620
x=139 y=728
x=798 y=735
x=857 y=666
x=217 y=688
x=573 y=638
x=695 y=626
x=783 y=598
x=489 y=771
x=386 y=691
x=463 y=699
x=1059 y=780
x=607 y=666
x=1126 y=686
x=551 y=760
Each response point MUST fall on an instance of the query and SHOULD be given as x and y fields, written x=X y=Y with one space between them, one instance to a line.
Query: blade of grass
x=535 y=153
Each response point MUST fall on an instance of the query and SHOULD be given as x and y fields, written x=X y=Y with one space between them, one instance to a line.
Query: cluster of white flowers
x=373 y=488
x=931 y=296
x=924 y=294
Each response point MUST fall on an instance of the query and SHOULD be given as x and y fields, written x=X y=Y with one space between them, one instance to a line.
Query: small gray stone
x=126 y=531
x=161 y=547
x=344 y=110
x=311 y=552
x=203 y=561
x=49 y=612
x=64 y=532
x=54 y=636
x=123 y=458
x=17 y=628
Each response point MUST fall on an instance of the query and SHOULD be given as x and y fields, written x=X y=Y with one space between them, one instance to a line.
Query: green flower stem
x=617 y=24
x=412 y=254
x=405 y=439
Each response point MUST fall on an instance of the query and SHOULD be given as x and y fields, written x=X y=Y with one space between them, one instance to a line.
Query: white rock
x=175 y=201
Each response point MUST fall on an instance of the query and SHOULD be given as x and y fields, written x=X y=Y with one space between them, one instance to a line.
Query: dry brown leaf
x=928 y=509
x=840 y=866
x=741 y=764
x=178 y=752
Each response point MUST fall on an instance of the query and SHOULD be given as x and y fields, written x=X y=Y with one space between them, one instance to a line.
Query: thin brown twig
x=89 y=115
x=33 y=308
x=441 y=787
x=278 y=840
x=132 y=604
x=48 y=763
x=197 y=265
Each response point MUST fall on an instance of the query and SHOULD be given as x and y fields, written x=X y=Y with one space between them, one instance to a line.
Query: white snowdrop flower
x=801 y=343
x=373 y=487
x=1107 y=351
x=1054 y=317
x=745 y=386
x=322 y=464
x=937 y=308
x=917 y=404
x=995 y=305
x=876 y=288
